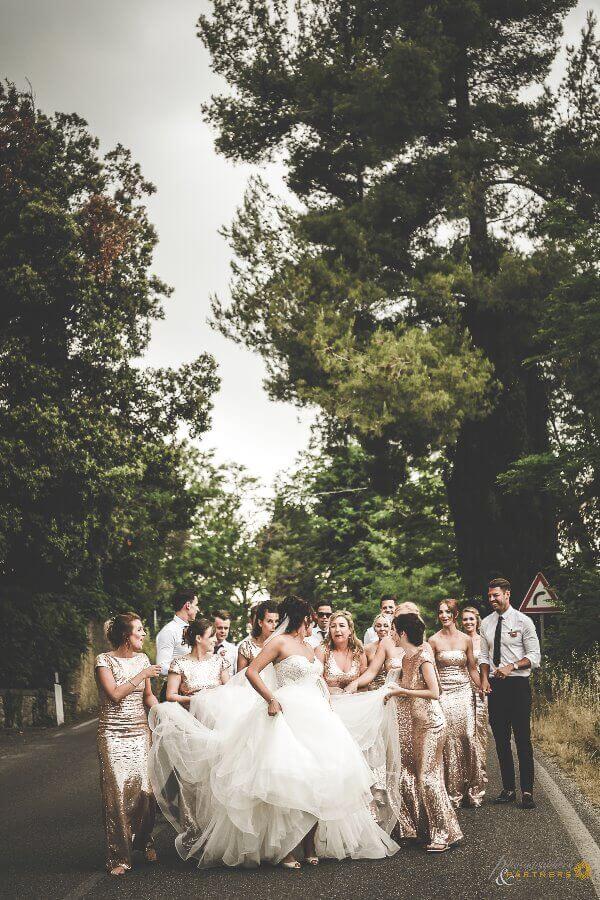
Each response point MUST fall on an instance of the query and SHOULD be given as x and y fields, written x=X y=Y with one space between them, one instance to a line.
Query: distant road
x=51 y=845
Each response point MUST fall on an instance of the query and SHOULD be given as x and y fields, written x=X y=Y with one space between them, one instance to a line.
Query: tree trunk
x=513 y=535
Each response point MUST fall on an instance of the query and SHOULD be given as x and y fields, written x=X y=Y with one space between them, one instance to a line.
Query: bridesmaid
x=123 y=679
x=415 y=783
x=200 y=669
x=342 y=655
x=458 y=670
x=382 y=626
x=264 y=623
x=471 y=622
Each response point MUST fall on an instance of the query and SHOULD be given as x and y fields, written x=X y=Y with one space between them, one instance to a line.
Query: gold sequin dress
x=481 y=722
x=462 y=766
x=335 y=678
x=416 y=790
x=249 y=649
x=123 y=746
x=198 y=674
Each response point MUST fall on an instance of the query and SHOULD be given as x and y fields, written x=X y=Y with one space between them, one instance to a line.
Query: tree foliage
x=331 y=537
x=92 y=479
x=398 y=294
x=218 y=554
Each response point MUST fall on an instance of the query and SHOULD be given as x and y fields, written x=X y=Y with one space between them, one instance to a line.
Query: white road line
x=75 y=727
x=83 y=724
x=583 y=840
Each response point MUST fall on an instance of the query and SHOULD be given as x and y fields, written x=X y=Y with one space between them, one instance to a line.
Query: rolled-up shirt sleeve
x=531 y=644
x=484 y=650
x=165 y=645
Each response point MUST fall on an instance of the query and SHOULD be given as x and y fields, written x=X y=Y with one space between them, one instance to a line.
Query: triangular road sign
x=540 y=598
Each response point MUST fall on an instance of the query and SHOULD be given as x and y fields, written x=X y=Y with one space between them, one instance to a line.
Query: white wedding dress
x=242 y=787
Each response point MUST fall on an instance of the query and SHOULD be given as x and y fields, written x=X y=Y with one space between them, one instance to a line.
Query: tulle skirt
x=241 y=787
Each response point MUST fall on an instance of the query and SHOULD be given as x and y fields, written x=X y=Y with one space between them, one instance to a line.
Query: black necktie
x=497 y=641
x=218 y=647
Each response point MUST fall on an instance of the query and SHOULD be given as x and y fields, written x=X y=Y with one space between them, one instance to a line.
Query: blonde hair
x=408 y=607
x=353 y=642
x=383 y=616
x=475 y=612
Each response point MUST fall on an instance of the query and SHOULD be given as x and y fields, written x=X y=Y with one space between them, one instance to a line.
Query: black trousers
x=510 y=711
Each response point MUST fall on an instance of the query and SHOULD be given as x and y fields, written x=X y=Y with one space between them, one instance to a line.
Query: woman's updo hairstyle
x=412 y=626
x=296 y=610
x=258 y=614
x=195 y=629
x=118 y=629
x=452 y=607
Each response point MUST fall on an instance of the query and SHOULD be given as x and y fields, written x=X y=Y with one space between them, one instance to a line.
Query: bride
x=265 y=764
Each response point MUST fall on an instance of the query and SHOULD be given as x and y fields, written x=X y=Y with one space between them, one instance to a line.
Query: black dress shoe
x=505 y=797
x=527 y=801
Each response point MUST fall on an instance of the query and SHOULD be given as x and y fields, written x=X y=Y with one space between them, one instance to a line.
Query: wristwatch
x=515 y=667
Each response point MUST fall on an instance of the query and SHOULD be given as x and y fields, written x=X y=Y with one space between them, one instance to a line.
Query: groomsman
x=169 y=644
x=320 y=632
x=509 y=651
x=223 y=646
x=387 y=607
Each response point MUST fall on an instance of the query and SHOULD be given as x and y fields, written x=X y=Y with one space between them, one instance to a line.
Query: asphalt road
x=51 y=845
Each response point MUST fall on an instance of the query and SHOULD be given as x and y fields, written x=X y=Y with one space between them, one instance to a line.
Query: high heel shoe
x=290 y=865
x=312 y=860
x=118 y=871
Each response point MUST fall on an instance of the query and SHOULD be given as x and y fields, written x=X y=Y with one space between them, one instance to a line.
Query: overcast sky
x=135 y=70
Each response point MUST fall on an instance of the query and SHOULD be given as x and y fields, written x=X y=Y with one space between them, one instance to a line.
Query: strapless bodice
x=452 y=668
x=295 y=669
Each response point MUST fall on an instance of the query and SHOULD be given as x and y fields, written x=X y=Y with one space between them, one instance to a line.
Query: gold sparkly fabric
x=335 y=678
x=248 y=649
x=481 y=732
x=462 y=764
x=481 y=717
x=123 y=746
x=416 y=791
x=199 y=674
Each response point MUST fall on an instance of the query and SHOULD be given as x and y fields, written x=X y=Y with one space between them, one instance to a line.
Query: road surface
x=51 y=844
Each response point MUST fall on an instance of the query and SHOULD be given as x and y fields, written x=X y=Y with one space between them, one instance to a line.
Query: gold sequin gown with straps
x=416 y=790
x=123 y=741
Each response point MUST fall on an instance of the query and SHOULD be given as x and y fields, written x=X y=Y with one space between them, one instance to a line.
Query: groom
x=510 y=649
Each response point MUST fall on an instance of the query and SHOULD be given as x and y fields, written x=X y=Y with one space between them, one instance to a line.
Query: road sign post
x=540 y=600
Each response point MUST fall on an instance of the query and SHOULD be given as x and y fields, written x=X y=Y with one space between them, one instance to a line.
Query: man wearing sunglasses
x=319 y=634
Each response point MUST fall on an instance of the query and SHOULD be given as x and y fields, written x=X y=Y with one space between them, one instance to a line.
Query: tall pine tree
x=401 y=296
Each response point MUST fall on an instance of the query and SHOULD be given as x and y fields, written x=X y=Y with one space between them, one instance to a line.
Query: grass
x=566 y=719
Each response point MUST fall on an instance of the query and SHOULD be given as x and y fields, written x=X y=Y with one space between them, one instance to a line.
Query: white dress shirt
x=370 y=636
x=169 y=644
x=518 y=639
x=316 y=638
x=230 y=653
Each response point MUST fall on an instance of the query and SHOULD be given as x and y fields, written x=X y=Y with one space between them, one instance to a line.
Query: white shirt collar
x=506 y=615
x=179 y=620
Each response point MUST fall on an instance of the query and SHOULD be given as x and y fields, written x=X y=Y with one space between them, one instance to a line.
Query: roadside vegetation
x=566 y=720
